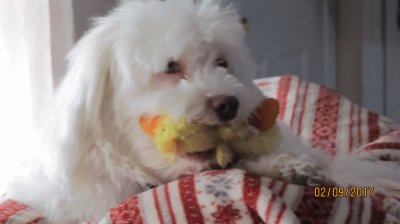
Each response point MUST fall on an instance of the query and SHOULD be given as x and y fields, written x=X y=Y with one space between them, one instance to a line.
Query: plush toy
x=179 y=136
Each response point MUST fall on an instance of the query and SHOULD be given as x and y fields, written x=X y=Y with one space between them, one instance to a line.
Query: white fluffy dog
x=182 y=57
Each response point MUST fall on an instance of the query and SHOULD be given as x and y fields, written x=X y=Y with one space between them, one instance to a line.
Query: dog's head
x=179 y=57
x=183 y=58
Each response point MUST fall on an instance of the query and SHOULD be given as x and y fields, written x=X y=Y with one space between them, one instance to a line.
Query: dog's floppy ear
x=74 y=116
x=89 y=67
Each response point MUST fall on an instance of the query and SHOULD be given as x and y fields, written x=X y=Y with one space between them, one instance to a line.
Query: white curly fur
x=94 y=154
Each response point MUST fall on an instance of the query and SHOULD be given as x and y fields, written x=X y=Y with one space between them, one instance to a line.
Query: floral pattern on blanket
x=240 y=197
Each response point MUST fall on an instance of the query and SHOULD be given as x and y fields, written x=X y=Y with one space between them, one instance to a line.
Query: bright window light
x=17 y=133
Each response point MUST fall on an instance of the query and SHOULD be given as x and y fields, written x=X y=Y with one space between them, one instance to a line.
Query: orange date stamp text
x=336 y=192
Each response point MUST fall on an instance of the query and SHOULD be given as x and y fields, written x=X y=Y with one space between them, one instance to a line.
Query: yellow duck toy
x=179 y=136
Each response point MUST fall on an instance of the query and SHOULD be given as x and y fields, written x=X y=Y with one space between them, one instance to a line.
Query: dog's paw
x=300 y=170
x=296 y=169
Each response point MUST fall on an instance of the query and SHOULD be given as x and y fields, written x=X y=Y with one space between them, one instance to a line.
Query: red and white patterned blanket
x=323 y=119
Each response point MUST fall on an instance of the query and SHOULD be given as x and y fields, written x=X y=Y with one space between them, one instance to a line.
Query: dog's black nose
x=225 y=107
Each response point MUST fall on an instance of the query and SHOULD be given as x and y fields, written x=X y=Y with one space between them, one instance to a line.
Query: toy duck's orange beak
x=149 y=124
x=265 y=115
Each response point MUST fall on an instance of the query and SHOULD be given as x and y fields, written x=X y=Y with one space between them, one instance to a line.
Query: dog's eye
x=173 y=67
x=220 y=62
